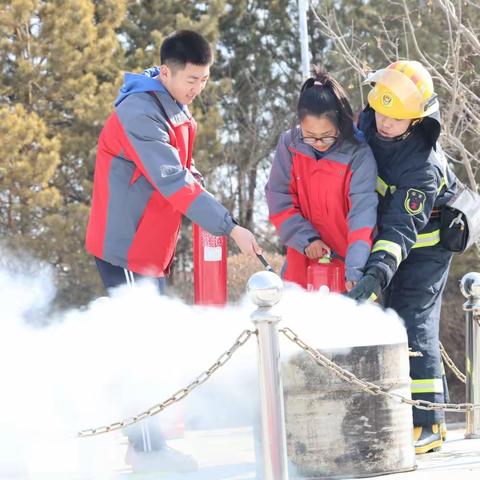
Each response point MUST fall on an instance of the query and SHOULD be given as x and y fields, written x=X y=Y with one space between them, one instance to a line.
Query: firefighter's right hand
x=245 y=241
x=367 y=288
x=317 y=249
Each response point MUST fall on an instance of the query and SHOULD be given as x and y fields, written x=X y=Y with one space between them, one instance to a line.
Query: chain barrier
x=177 y=396
x=446 y=358
x=371 y=387
x=411 y=353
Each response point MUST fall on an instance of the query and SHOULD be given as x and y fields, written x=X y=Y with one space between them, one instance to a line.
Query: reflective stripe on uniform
x=390 y=247
x=382 y=187
x=442 y=184
x=427 y=385
x=427 y=239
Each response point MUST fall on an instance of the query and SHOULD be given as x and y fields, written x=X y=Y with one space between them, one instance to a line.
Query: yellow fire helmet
x=403 y=90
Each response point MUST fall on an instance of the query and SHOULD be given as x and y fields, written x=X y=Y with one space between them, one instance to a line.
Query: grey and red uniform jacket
x=143 y=182
x=332 y=198
x=414 y=182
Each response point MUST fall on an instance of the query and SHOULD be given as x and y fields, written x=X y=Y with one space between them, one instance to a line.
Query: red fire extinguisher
x=210 y=268
x=327 y=273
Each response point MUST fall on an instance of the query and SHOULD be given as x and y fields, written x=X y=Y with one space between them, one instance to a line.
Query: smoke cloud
x=116 y=357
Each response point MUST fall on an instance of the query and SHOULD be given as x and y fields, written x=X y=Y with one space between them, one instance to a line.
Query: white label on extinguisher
x=212 y=254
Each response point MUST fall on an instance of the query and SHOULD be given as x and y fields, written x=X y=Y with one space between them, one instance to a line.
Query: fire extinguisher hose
x=265 y=263
x=336 y=255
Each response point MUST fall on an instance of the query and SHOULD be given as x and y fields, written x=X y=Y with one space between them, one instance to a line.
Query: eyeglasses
x=325 y=141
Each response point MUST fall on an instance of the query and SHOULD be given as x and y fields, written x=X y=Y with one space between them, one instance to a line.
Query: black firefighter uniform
x=413 y=182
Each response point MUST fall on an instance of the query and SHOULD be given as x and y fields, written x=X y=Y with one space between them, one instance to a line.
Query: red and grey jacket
x=332 y=198
x=143 y=185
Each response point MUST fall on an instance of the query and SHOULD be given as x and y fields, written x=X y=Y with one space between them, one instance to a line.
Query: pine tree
x=60 y=64
x=27 y=165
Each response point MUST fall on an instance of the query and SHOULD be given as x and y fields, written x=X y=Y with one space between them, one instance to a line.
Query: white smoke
x=335 y=322
x=119 y=356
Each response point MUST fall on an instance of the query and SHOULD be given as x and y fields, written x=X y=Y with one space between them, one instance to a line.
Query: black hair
x=185 y=46
x=322 y=96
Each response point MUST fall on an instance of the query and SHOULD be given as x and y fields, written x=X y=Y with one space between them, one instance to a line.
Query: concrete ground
x=459 y=459
x=229 y=455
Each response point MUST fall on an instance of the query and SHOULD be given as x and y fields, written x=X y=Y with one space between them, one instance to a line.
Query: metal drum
x=336 y=430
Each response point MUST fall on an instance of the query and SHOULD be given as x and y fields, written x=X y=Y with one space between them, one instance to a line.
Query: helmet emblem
x=387 y=100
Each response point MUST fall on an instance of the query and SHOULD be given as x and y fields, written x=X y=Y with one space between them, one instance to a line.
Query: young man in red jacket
x=145 y=181
x=144 y=175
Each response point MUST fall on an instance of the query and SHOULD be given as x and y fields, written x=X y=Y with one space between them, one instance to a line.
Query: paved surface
x=459 y=459
x=229 y=455
x=220 y=454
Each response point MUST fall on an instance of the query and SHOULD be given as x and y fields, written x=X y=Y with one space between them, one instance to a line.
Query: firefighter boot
x=427 y=439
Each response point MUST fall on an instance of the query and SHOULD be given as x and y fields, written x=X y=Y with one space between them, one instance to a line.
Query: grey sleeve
x=362 y=216
x=159 y=162
x=284 y=209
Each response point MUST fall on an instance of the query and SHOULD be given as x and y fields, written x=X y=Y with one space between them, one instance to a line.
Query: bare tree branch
x=450 y=68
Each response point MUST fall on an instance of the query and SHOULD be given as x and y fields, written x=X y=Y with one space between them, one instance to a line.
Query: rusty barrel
x=336 y=430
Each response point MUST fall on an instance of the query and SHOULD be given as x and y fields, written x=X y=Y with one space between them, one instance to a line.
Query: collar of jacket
x=401 y=137
x=429 y=126
x=175 y=114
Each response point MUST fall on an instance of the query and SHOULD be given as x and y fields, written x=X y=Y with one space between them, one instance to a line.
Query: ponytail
x=321 y=95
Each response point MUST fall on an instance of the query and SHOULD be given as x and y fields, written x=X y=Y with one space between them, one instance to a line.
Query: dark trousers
x=146 y=435
x=113 y=276
x=415 y=293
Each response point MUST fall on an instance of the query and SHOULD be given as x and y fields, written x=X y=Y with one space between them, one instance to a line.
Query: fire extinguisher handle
x=336 y=255
x=264 y=262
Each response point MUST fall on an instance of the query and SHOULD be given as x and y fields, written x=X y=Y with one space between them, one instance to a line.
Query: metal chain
x=177 y=396
x=371 y=387
x=446 y=358
x=411 y=353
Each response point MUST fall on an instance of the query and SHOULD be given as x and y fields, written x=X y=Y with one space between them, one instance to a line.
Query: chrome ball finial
x=470 y=285
x=265 y=288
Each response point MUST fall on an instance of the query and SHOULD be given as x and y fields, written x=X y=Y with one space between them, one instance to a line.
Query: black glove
x=381 y=267
x=368 y=287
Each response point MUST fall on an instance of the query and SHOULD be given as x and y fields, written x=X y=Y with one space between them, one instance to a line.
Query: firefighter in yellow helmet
x=408 y=266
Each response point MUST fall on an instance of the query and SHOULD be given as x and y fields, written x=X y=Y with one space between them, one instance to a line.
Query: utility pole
x=302 y=14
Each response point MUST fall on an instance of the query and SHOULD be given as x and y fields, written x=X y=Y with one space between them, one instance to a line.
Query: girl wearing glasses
x=321 y=191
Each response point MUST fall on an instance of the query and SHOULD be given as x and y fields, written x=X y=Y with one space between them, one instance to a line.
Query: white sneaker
x=166 y=460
